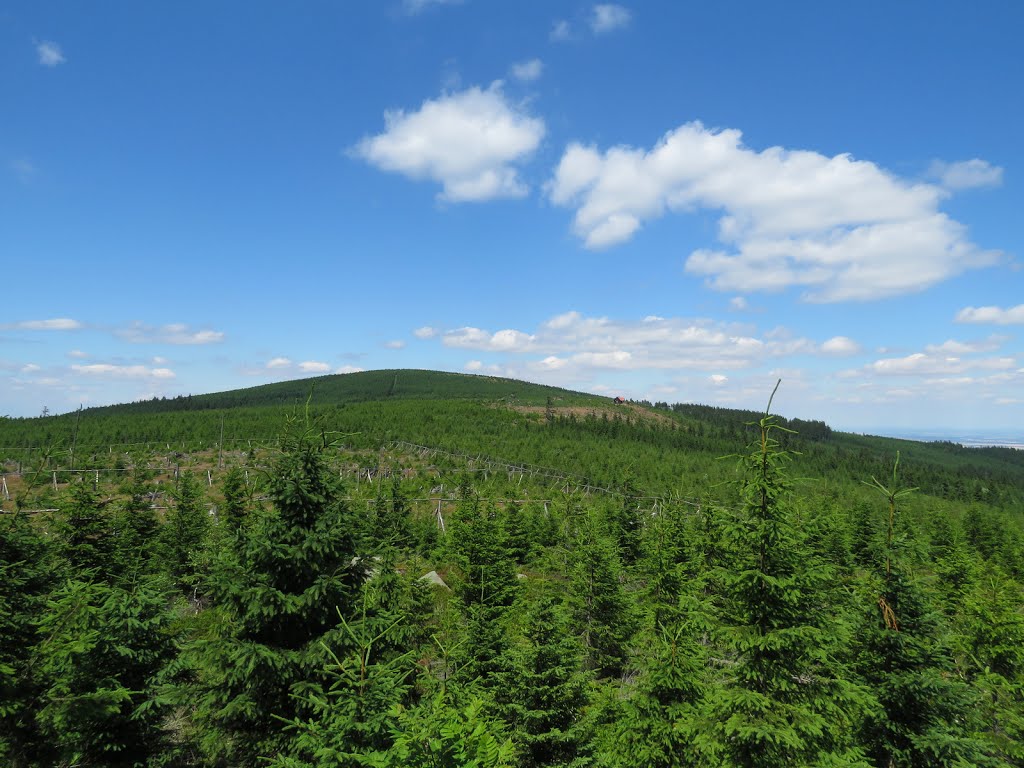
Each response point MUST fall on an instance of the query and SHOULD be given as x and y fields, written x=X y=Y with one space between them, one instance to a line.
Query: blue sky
x=671 y=201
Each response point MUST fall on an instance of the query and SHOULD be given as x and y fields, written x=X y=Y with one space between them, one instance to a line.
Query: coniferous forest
x=404 y=568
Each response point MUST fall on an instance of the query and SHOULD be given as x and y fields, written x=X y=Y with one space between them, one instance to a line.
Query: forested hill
x=433 y=569
x=661 y=447
x=368 y=386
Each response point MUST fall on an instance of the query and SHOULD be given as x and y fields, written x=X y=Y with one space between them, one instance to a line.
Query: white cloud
x=738 y=303
x=24 y=169
x=607 y=16
x=718 y=379
x=992 y=315
x=467 y=141
x=954 y=347
x=840 y=345
x=966 y=174
x=30 y=368
x=53 y=324
x=841 y=228
x=50 y=54
x=571 y=343
x=78 y=354
x=924 y=364
x=475 y=338
x=394 y=344
x=426 y=332
x=560 y=30
x=313 y=366
x=123 y=371
x=171 y=333
x=527 y=71
x=473 y=365
x=349 y=369
x=414 y=7
x=279 y=362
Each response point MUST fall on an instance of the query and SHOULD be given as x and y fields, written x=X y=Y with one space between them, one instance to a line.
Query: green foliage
x=278 y=593
x=602 y=612
x=615 y=601
x=25 y=579
x=185 y=531
x=449 y=728
x=102 y=648
x=781 y=698
x=545 y=691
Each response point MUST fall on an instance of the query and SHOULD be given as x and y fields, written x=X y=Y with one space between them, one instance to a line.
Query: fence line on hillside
x=573 y=483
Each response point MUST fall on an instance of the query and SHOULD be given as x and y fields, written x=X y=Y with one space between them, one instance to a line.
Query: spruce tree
x=26 y=577
x=278 y=593
x=546 y=690
x=184 y=532
x=904 y=655
x=781 y=698
x=102 y=648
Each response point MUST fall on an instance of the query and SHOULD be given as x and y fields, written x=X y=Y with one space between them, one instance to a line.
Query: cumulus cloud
x=527 y=71
x=840 y=345
x=171 y=333
x=992 y=315
x=349 y=369
x=314 y=366
x=738 y=304
x=123 y=371
x=571 y=342
x=279 y=362
x=607 y=16
x=50 y=54
x=425 y=332
x=843 y=229
x=966 y=174
x=467 y=141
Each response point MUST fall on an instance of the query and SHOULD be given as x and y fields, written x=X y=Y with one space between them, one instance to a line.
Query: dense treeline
x=773 y=622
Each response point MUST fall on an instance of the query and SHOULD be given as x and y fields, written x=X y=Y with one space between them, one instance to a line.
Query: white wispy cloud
x=841 y=228
x=560 y=30
x=52 y=324
x=414 y=7
x=171 y=333
x=937 y=363
x=349 y=369
x=394 y=344
x=467 y=141
x=314 y=366
x=50 y=54
x=527 y=71
x=123 y=371
x=24 y=169
x=605 y=17
x=425 y=332
x=966 y=174
x=992 y=315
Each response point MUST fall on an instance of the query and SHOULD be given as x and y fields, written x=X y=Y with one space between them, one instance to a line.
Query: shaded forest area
x=193 y=587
